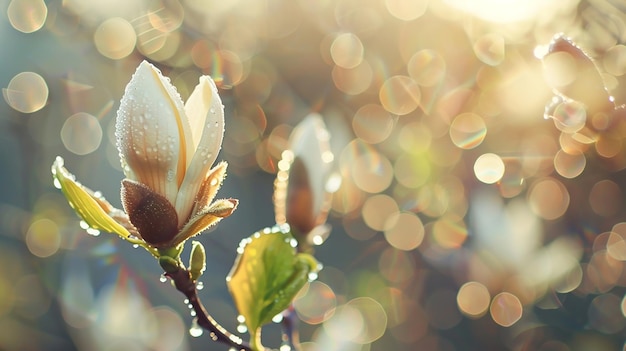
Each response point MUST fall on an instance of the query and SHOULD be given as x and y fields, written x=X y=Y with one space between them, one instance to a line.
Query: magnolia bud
x=197 y=260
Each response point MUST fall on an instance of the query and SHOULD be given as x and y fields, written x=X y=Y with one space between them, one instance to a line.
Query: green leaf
x=267 y=274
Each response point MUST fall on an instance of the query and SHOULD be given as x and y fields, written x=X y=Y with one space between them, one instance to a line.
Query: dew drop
x=195 y=330
x=57 y=184
x=84 y=225
x=277 y=318
x=213 y=336
x=135 y=246
x=193 y=313
x=241 y=328
x=312 y=276
x=186 y=301
x=170 y=175
x=199 y=285
x=162 y=279
x=94 y=232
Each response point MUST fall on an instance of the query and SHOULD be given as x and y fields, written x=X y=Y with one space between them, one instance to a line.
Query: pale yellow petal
x=206 y=218
x=206 y=116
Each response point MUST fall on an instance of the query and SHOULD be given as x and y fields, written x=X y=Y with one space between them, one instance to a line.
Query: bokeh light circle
x=570 y=116
x=353 y=81
x=449 y=233
x=406 y=233
x=489 y=49
x=347 y=50
x=473 y=299
x=372 y=123
x=374 y=319
x=468 y=130
x=27 y=16
x=569 y=165
x=27 y=92
x=372 y=173
x=81 y=133
x=400 y=95
x=427 y=67
x=406 y=10
x=489 y=168
x=377 y=210
x=506 y=309
x=548 y=198
x=43 y=238
x=115 y=38
x=316 y=304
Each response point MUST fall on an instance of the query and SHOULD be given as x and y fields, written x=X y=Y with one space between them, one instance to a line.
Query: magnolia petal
x=152 y=214
x=92 y=209
x=151 y=131
x=203 y=220
x=206 y=117
x=210 y=187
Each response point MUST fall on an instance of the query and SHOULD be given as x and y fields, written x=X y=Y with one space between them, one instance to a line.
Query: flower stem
x=183 y=282
x=255 y=340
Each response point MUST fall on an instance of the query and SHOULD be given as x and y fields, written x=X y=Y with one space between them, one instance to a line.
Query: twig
x=183 y=282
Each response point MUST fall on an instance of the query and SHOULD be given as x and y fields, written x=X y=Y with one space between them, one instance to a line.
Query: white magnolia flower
x=167 y=150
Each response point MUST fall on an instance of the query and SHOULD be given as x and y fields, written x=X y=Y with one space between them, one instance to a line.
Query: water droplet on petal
x=94 y=232
x=57 y=184
x=162 y=279
x=277 y=318
x=199 y=285
x=195 y=330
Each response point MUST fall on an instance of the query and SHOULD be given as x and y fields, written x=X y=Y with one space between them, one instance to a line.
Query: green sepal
x=84 y=203
x=197 y=260
x=267 y=275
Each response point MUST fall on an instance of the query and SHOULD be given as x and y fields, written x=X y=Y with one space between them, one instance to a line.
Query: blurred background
x=465 y=220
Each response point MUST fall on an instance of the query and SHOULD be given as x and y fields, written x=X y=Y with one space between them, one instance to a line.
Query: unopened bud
x=197 y=260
